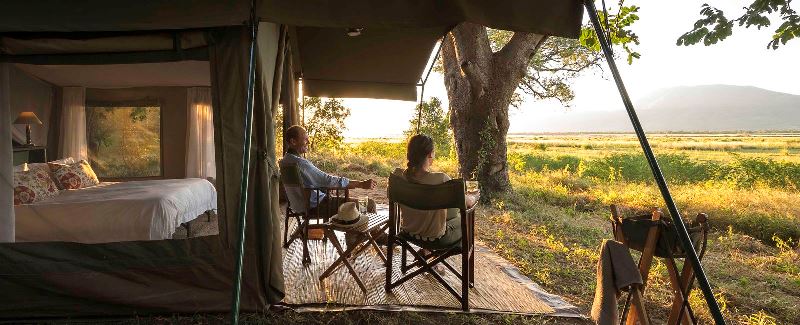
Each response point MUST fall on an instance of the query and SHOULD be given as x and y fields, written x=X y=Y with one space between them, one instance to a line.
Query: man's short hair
x=293 y=132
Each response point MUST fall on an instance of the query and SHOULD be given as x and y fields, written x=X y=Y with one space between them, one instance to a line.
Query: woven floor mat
x=499 y=286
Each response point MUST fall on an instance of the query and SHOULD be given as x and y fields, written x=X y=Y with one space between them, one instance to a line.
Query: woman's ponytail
x=420 y=147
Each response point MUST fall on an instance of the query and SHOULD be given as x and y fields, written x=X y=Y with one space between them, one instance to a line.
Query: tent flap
x=379 y=63
x=66 y=279
x=355 y=89
x=229 y=66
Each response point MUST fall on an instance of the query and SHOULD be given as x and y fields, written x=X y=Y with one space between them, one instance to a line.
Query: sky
x=742 y=59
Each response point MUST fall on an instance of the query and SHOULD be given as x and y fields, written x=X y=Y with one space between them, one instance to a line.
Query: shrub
x=326 y=125
x=435 y=123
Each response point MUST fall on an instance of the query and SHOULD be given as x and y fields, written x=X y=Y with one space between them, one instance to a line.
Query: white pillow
x=26 y=167
x=33 y=166
x=65 y=161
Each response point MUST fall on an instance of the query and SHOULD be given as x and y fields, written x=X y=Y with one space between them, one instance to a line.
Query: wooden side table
x=29 y=154
x=362 y=239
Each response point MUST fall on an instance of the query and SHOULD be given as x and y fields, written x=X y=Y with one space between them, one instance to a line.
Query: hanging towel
x=615 y=271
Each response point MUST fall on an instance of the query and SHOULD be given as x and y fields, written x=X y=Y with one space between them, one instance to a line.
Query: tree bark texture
x=480 y=85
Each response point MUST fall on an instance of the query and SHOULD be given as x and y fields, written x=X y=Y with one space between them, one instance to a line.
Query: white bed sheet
x=111 y=212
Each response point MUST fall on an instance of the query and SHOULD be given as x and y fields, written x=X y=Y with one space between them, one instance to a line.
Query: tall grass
x=741 y=172
x=552 y=223
x=757 y=196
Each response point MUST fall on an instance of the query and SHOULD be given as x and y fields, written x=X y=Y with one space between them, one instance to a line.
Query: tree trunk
x=480 y=125
x=480 y=84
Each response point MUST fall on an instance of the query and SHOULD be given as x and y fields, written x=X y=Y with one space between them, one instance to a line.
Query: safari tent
x=158 y=50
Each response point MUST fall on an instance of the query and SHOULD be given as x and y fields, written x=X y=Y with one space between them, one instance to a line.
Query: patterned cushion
x=33 y=186
x=46 y=167
x=74 y=176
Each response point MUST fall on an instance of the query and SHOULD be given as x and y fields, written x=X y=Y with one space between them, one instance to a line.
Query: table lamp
x=28 y=118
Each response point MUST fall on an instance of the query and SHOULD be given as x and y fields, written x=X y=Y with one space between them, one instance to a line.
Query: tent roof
x=550 y=17
x=386 y=61
x=182 y=73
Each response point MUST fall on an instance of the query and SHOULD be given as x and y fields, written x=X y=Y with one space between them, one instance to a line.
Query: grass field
x=552 y=224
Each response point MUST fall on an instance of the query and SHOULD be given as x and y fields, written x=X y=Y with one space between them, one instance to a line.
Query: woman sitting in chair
x=441 y=226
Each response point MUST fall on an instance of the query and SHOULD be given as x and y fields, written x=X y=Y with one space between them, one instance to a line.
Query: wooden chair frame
x=304 y=215
x=450 y=194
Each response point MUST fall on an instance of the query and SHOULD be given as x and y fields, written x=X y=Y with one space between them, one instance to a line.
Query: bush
x=434 y=123
x=379 y=149
x=326 y=125
x=749 y=172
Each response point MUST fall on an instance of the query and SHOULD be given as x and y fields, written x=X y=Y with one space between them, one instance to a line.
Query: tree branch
x=519 y=50
x=472 y=43
x=474 y=53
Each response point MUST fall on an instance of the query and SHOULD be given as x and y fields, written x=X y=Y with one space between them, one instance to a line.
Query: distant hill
x=696 y=108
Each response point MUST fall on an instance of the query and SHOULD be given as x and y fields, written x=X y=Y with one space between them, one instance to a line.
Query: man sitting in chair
x=296 y=141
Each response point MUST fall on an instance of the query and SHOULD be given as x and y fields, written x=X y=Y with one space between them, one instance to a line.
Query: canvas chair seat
x=431 y=245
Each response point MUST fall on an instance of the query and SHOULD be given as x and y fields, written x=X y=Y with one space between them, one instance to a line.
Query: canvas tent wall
x=195 y=275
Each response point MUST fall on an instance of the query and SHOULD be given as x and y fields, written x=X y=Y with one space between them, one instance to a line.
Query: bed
x=116 y=211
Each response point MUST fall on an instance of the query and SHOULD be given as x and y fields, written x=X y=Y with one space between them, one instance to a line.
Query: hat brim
x=362 y=219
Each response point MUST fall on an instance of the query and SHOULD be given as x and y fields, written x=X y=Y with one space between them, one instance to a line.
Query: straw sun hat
x=348 y=216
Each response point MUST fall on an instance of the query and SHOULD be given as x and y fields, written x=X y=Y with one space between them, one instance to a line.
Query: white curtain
x=200 y=140
x=6 y=168
x=73 y=124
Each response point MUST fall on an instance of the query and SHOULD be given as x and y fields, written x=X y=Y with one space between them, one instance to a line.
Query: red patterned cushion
x=33 y=186
x=74 y=176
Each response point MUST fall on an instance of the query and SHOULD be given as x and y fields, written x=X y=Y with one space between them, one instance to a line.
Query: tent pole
x=248 y=138
x=424 y=81
x=419 y=108
x=303 y=104
x=677 y=221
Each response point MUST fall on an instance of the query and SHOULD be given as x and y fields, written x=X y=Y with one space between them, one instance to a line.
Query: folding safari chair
x=654 y=239
x=431 y=197
x=303 y=214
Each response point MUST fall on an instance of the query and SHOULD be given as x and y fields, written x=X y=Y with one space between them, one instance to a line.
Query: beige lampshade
x=27 y=118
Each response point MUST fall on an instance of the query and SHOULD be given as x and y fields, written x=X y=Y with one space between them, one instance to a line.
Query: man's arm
x=318 y=178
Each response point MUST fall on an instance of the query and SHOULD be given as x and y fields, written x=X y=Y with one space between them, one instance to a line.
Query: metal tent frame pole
x=423 y=81
x=419 y=107
x=680 y=227
x=248 y=138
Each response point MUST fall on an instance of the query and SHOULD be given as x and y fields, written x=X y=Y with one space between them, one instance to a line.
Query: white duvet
x=111 y=212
